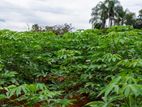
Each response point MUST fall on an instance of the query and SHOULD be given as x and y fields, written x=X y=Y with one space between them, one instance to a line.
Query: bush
x=138 y=24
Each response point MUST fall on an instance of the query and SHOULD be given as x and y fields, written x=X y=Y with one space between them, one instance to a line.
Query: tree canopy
x=113 y=12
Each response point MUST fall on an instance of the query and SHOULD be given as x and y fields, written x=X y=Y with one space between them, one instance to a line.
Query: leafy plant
x=124 y=90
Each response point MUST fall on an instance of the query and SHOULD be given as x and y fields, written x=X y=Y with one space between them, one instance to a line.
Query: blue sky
x=19 y=14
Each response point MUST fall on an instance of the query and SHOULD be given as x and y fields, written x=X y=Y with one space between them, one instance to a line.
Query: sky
x=20 y=14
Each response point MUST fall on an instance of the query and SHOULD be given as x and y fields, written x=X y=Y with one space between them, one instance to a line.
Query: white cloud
x=16 y=14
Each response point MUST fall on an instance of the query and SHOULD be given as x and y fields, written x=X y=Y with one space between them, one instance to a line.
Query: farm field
x=89 y=68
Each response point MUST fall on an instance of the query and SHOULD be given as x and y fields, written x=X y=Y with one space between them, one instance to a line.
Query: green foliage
x=124 y=90
x=113 y=12
x=12 y=93
x=50 y=69
x=57 y=29
x=120 y=29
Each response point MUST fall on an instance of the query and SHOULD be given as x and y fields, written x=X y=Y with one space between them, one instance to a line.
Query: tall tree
x=108 y=10
x=140 y=14
x=112 y=9
x=114 y=12
x=99 y=15
x=130 y=18
x=138 y=22
x=120 y=15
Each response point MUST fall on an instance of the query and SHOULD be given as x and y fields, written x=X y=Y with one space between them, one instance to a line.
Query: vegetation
x=51 y=66
x=113 y=11
x=57 y=29
x=98 y=67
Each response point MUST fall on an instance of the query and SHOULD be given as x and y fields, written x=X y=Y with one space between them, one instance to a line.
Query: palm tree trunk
x=110 y=22
x=122 y=22
x=103 y=23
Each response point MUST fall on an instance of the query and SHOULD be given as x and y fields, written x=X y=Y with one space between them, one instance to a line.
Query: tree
x=99 y=15
x=36 y=28
x=120 y=15
x=138 y=22
x=112 y=10
x=109 y=9
x=59 y=29
x=140 y=14
x=130 y=18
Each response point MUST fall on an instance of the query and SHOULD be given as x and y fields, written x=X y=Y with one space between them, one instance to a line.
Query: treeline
x=57 y=29
x=113 y=12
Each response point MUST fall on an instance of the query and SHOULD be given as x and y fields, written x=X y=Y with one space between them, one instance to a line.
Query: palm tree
x=138 y=21
x=99 y=15
x=120 y=15
x=95 y=17
x=130 y=18
x=109 y=9
x=140 y=14
x=112 y=10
